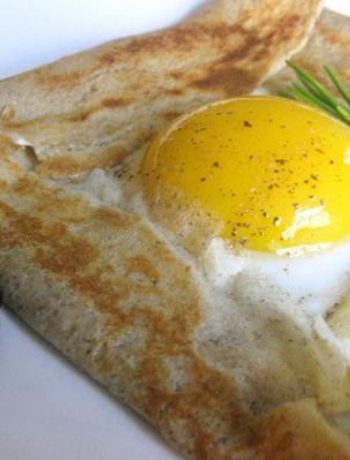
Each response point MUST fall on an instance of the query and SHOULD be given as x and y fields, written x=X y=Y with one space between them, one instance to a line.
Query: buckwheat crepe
x=96 y=280
x=329 y=44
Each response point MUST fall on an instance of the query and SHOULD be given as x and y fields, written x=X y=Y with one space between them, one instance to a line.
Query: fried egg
x=273 y=173
x=272 y=176
x=251 y=194
x=255 y=190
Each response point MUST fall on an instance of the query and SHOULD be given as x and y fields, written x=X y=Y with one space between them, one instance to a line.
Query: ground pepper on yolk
x=275 y=173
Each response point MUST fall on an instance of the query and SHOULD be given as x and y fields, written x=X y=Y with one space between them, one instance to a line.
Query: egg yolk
x=274 y=173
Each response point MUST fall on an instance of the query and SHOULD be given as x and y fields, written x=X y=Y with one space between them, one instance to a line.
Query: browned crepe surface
x=94 y=108
x=96 y=281
x=328 y=45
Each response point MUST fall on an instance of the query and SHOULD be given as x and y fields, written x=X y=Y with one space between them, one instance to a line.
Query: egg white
x=316 y=282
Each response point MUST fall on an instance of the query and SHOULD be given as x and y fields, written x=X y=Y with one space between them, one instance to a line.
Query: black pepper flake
x=247 y=124
x=216 y=164
x=277 y=221
x=331 y=162
x=314 y=176
x=203 y=179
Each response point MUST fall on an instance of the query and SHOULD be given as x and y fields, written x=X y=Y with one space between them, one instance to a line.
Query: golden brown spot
x=169 y=116
x=175 y=92
x=109 y=217
x=3 y=185
x=141 y=264
x=8 y=238
x=241 y=52
x=67 y=258
x=176 y=74
x=80 y=117
x=179 y=39
x=107 y=59
x=66 y=166
x=112 y=103
x=109 y=103
x=231 y=81
x=55 y=81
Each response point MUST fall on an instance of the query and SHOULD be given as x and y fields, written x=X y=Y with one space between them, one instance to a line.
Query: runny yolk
x=273 y=172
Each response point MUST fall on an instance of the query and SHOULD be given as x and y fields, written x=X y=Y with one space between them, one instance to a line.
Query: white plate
x=48 y=410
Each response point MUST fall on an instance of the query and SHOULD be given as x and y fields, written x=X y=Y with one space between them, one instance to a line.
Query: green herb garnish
x=311 y=91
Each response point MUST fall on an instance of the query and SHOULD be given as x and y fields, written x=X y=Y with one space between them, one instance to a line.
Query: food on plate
x=227 y=336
